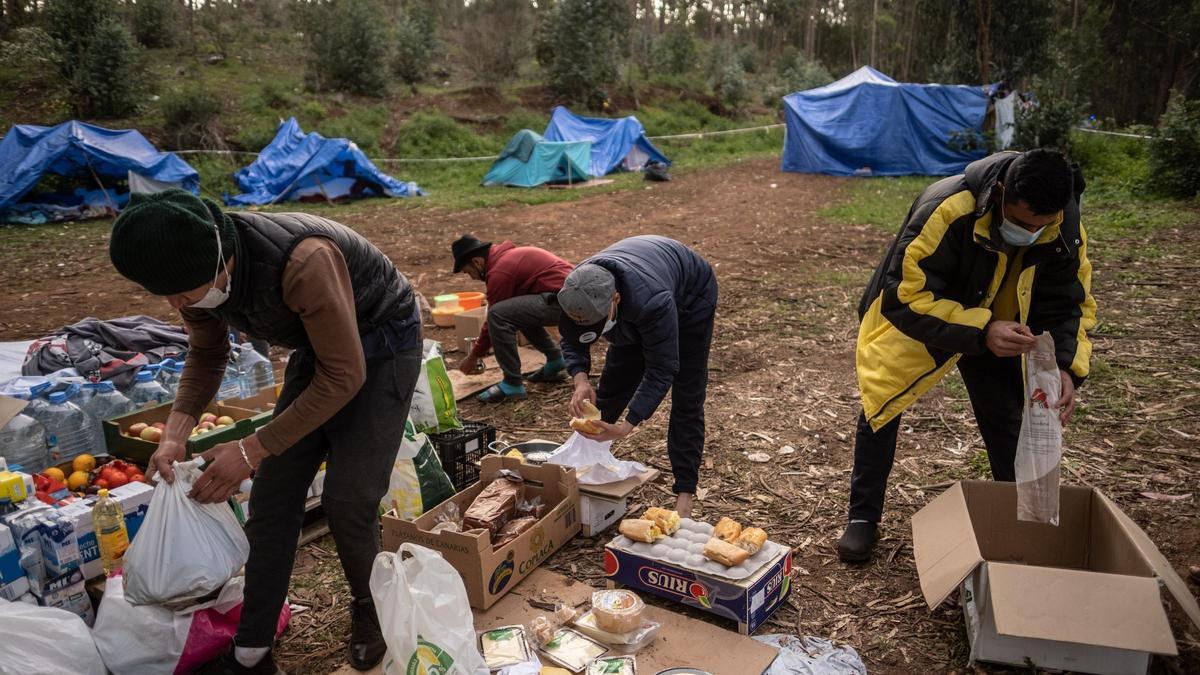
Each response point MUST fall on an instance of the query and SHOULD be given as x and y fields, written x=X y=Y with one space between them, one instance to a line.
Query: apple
x=159 y=425
x=152 y=434
x=224 y=421
x=207 y=426
x=208 y=417
x=137 y=429
x=221 y=426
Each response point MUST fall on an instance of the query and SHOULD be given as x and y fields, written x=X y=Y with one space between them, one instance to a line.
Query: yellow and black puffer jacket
x=931 y=298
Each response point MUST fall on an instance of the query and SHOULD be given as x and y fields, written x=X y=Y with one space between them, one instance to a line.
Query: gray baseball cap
x=587 y=294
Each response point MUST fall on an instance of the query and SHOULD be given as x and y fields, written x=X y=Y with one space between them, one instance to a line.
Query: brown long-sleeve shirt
x=316 y=285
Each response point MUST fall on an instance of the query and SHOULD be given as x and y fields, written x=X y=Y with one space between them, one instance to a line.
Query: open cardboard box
x=490 y=573
x=1083 y=596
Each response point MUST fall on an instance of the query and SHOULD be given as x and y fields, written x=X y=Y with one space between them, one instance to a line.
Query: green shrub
x=580 y=44
x=310 y=112
x=432 y=134
x=1175 y=150
x=348 y=46
x=680 y=117
x=28 y=47
x=415 y=38
x=1049 y=123
x=495 y=39
x=107 y=77
x=523 y=118
x=363 y=125
x=676 y=51
x=73 y=23
x=255 y=135
x=189 y=117
x=1111 y=163
x=154 y=22
x=794 y=72
x=275 y=95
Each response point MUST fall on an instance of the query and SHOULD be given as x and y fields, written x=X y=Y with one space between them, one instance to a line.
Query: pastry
x=752 y=540
x=640 y=530
x=725 y=553
x=727 y=530
x=667 y=521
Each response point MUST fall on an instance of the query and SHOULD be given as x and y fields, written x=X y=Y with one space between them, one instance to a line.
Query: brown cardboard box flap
x=620 y=489
x=9 y=408
x=944 y=545
x=1083 y=607
x=1156 y=560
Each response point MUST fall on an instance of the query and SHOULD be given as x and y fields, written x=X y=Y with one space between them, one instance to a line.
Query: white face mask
x=216 y=297
x=1015 y=235
x=610 y=321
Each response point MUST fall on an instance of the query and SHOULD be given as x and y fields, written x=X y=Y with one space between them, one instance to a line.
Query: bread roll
x=727 y=530
x=587 y=423
x=640 y=530
x=667 y=520
x=752 y=540
x=725 y=553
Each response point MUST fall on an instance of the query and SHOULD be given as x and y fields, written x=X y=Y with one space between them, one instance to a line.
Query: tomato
x=101 y=483
x=117 y=480
x=137 y=478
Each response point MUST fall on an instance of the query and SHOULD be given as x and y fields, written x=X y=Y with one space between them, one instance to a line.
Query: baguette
x=587 y=423
x=752 y=540
x=640 y=530
x=667 y=521
x=725 y=553
x=727 y=530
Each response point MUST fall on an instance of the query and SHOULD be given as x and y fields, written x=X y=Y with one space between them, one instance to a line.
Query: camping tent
x=309 y=167
x=869 y=124
x=529 y=160
x=87 y=154
x=616 y=144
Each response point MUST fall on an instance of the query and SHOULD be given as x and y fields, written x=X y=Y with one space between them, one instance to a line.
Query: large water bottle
x=67 y=430
x=37 y=401
x=146 y=391
x=255 y=369
x=105 y=404
x=23 y=441
x=169 y=372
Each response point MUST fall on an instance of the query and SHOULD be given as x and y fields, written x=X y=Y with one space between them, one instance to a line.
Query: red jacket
x=519 y=270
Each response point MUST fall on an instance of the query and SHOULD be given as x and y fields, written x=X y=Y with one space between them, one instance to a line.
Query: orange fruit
x=78 y=481
x=84 y=462
x=55 y=473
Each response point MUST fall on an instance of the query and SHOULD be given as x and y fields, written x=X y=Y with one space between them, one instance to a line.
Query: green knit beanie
x=166 y=242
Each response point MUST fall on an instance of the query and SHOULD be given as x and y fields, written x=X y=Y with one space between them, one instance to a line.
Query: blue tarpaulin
x=85 y=152
x=869 y=124
x=300 y=166
x=529 y=160
x=619 y=143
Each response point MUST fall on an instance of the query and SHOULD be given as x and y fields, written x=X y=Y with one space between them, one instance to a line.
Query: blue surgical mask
x=1015 y=235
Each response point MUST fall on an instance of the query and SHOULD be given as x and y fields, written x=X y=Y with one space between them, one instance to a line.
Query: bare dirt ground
x=782 y=375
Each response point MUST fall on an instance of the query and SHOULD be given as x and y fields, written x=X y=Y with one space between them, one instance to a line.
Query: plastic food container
x=621 y=643
x=573 y=650
x=447 y=301
x=505 y=646
x=617 y=611
x=613 y=665
x=444 y=316
x=469 y=299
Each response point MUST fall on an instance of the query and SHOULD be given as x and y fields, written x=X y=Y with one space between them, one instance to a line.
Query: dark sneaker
x=856 y=542
x=366 y=640
x=226 y=664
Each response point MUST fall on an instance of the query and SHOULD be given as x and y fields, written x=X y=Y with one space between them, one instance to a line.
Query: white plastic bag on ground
x=1039 y=449
x=184 y=550
x=424 y=613
x=812 y=656
x=594 y=462
x=46 y=641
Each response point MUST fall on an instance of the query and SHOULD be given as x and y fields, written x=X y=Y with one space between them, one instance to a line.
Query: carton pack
x=134 y=499
x=1082 y=596
x=602 y=505
x=488 y=574
x=13 y=582
x=466 y=326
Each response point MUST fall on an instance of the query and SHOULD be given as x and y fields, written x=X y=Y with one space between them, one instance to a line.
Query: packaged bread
x=513 y=529
x=587 y=423
x=727 y=530
x=640 y=530
x=667 y=521
x=752 y=540
x=725 y=553
x=496 y=504
x=617 y=611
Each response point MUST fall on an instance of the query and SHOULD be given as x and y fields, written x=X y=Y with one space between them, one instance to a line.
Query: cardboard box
x=749 y=602
x=136 y=450
x=598 y=513
x=263 y=401
x=134 y=499
x=1083 y=596
x=466 y=326
x=487 y=573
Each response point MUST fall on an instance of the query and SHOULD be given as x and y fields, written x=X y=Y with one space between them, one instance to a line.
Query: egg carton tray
x=685 y=549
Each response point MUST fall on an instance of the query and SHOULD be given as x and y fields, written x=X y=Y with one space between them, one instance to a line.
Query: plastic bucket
x=470 y=299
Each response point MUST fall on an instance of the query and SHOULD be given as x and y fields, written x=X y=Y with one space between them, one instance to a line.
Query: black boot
x=366 y=640
x=856 y=542
x=227 y=664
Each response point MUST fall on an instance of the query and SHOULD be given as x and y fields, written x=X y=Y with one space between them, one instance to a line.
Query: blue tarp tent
x=86 y=153
x=310 y=167
x=529 y=160
x=869 y=124
x=616 y=144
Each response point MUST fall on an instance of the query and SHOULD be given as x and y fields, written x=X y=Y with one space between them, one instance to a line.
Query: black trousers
x=623 y=371
x=997 y=393
x=526 y=314
x=358 y=446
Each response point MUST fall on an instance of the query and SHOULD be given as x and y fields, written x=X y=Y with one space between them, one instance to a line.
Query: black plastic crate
x=462 y=449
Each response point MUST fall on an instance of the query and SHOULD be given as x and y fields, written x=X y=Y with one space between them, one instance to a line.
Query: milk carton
x=134 y=499
x=13 y=582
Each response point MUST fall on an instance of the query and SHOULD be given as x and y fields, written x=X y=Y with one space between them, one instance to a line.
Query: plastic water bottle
x=255 y=369
x=111 y=536
x=37 y=401
x=169 y=373
x=231 y=385
x=81 y=395
x=23 y=441
x=105 y=404
x=67 y=430
x=146 y=391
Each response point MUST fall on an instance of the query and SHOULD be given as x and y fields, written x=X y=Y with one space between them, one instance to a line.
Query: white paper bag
x=184 y=550
x=1039 y=449
x=594 y=462
x=424 y=614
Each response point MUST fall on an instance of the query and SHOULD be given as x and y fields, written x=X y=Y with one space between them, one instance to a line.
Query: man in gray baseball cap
x=653 y=300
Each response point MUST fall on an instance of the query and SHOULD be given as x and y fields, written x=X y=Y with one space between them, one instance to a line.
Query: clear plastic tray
x=621 y=643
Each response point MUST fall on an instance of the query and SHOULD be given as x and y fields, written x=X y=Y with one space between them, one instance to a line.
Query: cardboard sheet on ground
x=468 y=385
x=683 y=641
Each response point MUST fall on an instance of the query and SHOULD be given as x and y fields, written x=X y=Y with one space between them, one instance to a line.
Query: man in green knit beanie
x=318 y=288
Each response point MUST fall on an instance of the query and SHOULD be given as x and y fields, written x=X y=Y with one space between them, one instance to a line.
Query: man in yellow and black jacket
x=984 y=261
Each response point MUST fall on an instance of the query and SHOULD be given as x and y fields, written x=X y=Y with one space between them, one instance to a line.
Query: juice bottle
x=111 y=535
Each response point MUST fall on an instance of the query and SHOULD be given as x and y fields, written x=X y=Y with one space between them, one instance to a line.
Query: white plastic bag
x=594 y=462
x=810 y=655
x=424 y=614
x=184 y=550
x=131 y=639
x=1039 y=449
x=46 y=641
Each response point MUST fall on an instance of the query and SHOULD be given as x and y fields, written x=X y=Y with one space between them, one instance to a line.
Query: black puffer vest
x=265 y=241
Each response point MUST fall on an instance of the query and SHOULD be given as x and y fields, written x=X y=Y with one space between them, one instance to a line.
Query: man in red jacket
x=522 y=295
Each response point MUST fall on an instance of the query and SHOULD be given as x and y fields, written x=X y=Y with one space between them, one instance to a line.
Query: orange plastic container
x=470 y=299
